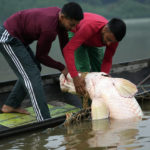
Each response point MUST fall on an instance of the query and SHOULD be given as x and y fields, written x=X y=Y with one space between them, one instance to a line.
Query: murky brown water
x=97 y=135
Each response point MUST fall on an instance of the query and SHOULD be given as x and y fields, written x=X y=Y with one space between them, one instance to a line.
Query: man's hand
x=65 y=72
x=79 y=84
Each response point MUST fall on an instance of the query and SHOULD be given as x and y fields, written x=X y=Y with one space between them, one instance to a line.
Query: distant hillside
x=117 y=8
x=108 y=8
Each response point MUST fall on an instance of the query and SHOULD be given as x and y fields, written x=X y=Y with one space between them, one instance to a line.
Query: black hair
x=72 y=10
x=118 y=28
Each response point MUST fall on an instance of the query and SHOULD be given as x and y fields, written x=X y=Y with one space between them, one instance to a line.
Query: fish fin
x=124 y=87
x=99 y=109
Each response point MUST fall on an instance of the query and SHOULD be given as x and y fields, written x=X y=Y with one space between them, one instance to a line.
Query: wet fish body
x=111 y=97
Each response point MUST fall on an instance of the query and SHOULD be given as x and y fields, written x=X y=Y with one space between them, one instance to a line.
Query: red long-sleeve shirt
x=87 y=32
x=41 y=25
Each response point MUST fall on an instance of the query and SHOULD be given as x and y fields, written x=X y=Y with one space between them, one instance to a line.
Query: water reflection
x=113 y=133
x=55 y=142
x=96 y=134
x=100 y=134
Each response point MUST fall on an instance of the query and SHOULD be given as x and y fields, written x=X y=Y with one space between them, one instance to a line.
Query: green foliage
x=9 y=7
x=117 y=8
x=107 y=8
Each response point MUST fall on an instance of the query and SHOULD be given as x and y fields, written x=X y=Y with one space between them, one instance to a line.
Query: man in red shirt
x=17 y=33
x=85 y=51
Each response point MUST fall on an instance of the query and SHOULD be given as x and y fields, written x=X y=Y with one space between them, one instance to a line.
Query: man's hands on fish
x=65 y=72
x=79 y=84
x=111 y=97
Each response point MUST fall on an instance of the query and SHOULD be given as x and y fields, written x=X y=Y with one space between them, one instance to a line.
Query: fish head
x=97 y=83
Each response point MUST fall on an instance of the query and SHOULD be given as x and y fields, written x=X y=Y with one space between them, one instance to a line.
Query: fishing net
x=75 y=118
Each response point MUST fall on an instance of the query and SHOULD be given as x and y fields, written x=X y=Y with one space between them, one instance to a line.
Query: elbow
x=39 y=58
x=64 y=52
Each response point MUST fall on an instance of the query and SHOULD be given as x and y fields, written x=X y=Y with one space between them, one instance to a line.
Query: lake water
x=135 y=45
x=98 y=135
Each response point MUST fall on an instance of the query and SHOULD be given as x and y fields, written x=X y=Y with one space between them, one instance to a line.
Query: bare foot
x=9 y=109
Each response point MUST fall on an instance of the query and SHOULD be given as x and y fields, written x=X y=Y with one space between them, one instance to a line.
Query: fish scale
x=115 y=94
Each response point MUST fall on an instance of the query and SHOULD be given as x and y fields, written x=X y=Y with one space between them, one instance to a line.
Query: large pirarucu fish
x=111 y=97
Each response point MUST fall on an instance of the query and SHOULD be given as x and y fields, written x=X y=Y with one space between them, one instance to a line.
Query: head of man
x=70 y=15
x=113 y=32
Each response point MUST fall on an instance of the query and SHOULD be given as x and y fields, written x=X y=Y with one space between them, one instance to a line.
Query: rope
x=141 y=82
x=86 y=95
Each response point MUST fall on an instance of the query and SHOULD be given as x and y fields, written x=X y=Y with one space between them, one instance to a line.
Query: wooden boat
x=137 y=72
x=60 y=103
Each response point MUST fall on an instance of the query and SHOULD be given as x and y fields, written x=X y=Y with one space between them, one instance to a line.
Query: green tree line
x=108 y=8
